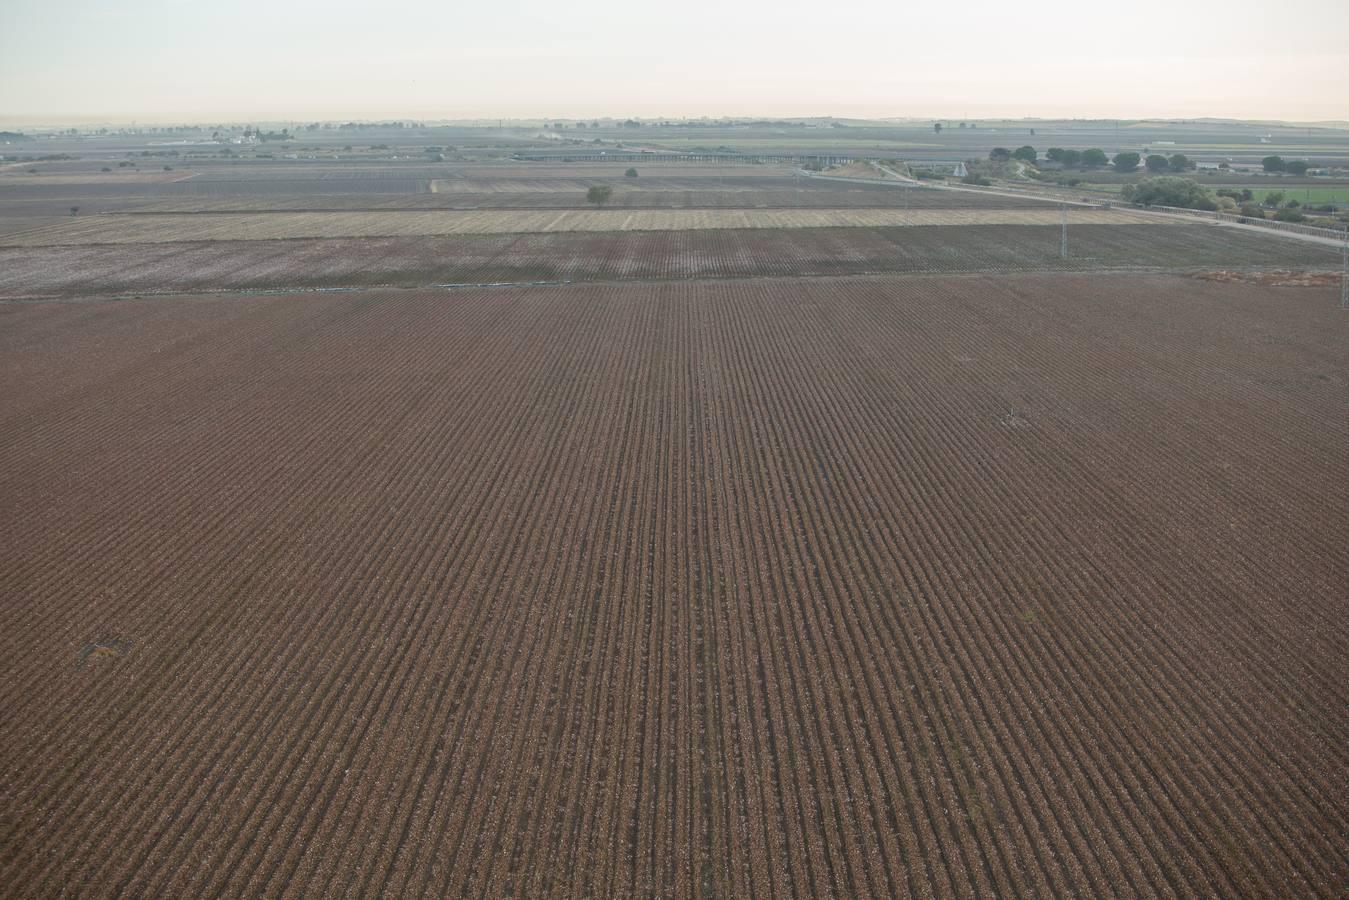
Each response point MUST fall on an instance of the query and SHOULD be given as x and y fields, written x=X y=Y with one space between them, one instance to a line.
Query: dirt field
x=930 y=586
x=113 y=228
x=596 y=256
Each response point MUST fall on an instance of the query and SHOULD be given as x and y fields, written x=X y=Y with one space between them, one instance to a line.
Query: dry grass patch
x=142 y=229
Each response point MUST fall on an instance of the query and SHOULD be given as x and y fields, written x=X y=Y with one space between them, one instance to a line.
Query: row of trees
x=1177 y=162
x=1094 y=158
x=1185 y=194
x=1090 y=159
x=1288 y=166
x=1169 y=191
x=1128 y=161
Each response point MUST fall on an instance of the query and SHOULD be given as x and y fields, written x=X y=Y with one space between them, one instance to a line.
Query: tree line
x=1094 y=158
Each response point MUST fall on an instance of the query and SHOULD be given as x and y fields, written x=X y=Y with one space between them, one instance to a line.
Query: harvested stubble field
x=206 y=187
x=703 y=195
x=890 y=586
x=482 y=183
x=598 y=256
x=647 y=171
x=115 y=228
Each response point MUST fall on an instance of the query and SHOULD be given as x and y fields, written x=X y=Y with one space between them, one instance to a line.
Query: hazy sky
x=230 y=60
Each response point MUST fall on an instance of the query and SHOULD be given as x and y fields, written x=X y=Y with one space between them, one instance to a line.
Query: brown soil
x=925 y=586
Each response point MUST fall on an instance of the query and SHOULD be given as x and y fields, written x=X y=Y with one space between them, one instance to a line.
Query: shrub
x=1252 y=211
x=975 y=179
x=1289 y=215
x=1242 y=196
x=631 y=173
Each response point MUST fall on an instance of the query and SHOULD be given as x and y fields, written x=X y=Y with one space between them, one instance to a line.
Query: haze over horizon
x=163 y=61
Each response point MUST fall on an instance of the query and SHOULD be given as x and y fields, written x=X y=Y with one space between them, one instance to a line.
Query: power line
x=1063 y=243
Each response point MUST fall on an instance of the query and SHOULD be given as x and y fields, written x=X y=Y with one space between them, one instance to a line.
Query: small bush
x=599 y=194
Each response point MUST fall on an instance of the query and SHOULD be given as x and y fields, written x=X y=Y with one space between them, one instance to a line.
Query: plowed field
x=591 y=256
x=861 y=587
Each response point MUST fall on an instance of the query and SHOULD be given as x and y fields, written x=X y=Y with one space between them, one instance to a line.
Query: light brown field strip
x=15 y=177
x=122 y=229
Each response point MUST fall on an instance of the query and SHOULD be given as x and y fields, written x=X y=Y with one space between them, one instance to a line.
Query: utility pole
x=1063 y=243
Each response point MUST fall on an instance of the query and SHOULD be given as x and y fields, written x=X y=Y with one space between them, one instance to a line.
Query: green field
x=1334 y=193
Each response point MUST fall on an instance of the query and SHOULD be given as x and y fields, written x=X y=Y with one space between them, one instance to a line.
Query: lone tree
x=1126 y=161
x=1179 y=162
x=1000 y=154
x=1025 y=153
x=936 y=126
x=1295 y=167
x=1273 y=163
x=1157 y=163
x=631 y=173
x=74 y=210
x=599 y=194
